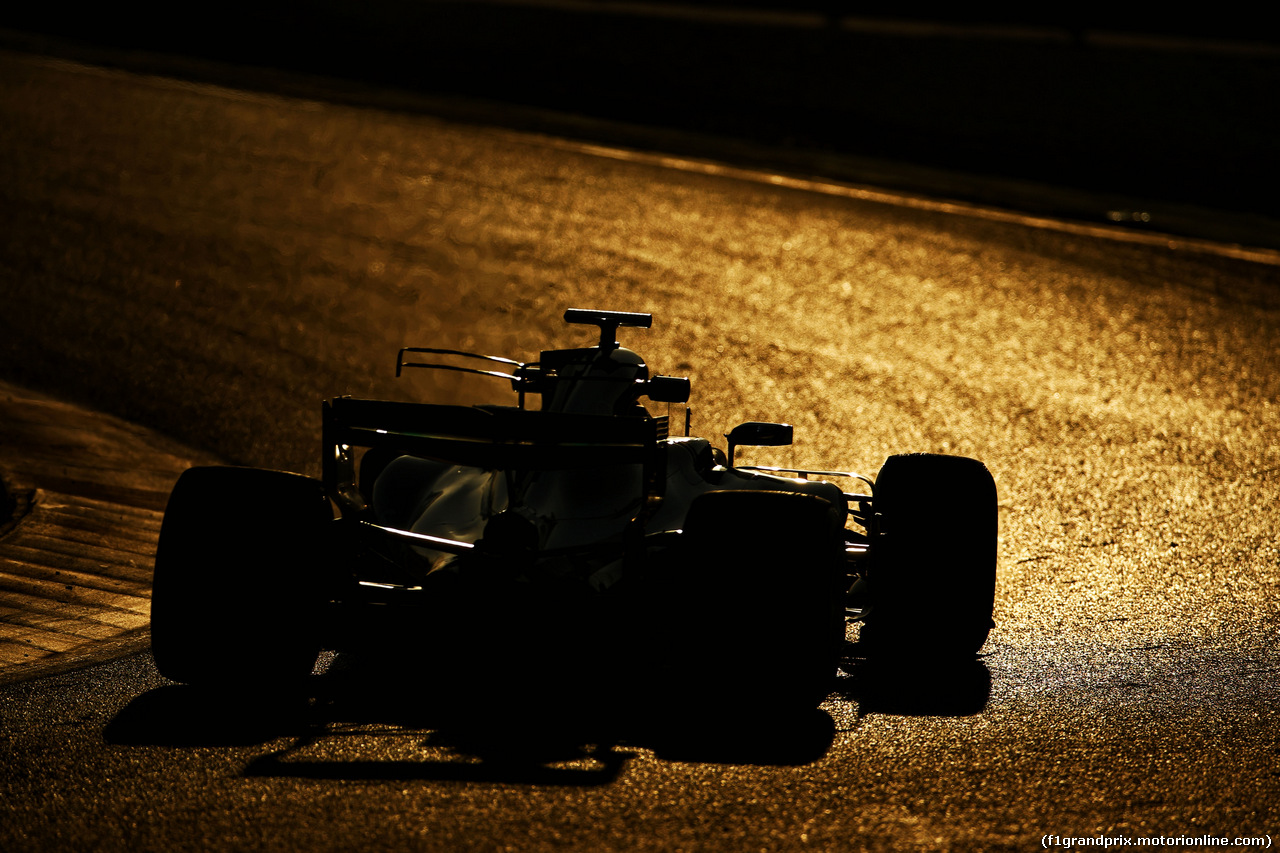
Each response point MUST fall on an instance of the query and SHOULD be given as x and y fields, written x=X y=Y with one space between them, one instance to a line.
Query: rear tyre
x=237 y=572
x=932 y=583
x=755 y=603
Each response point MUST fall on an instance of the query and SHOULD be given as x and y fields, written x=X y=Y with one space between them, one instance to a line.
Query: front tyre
x=237 y=573
x=932 y=580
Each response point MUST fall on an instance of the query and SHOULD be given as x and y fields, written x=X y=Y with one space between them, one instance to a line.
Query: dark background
x=1162 y=123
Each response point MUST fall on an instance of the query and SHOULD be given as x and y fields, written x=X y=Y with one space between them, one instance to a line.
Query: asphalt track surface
x=211 y=263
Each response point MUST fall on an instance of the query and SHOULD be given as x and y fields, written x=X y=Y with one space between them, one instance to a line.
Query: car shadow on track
x=944 y=689
x=363 y=722
x=357 y=722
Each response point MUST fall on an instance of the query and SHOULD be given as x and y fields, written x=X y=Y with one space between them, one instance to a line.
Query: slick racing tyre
x=756 y=613
x=932 y=581
x=236 y=577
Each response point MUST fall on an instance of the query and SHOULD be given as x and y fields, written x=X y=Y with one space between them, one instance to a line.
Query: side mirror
x=758 y=434
x=668 y=389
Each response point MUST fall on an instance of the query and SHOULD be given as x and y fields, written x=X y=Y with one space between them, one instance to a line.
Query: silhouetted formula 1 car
x=578 y=537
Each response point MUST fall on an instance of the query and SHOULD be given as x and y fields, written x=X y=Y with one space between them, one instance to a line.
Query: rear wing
x=489 y=437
